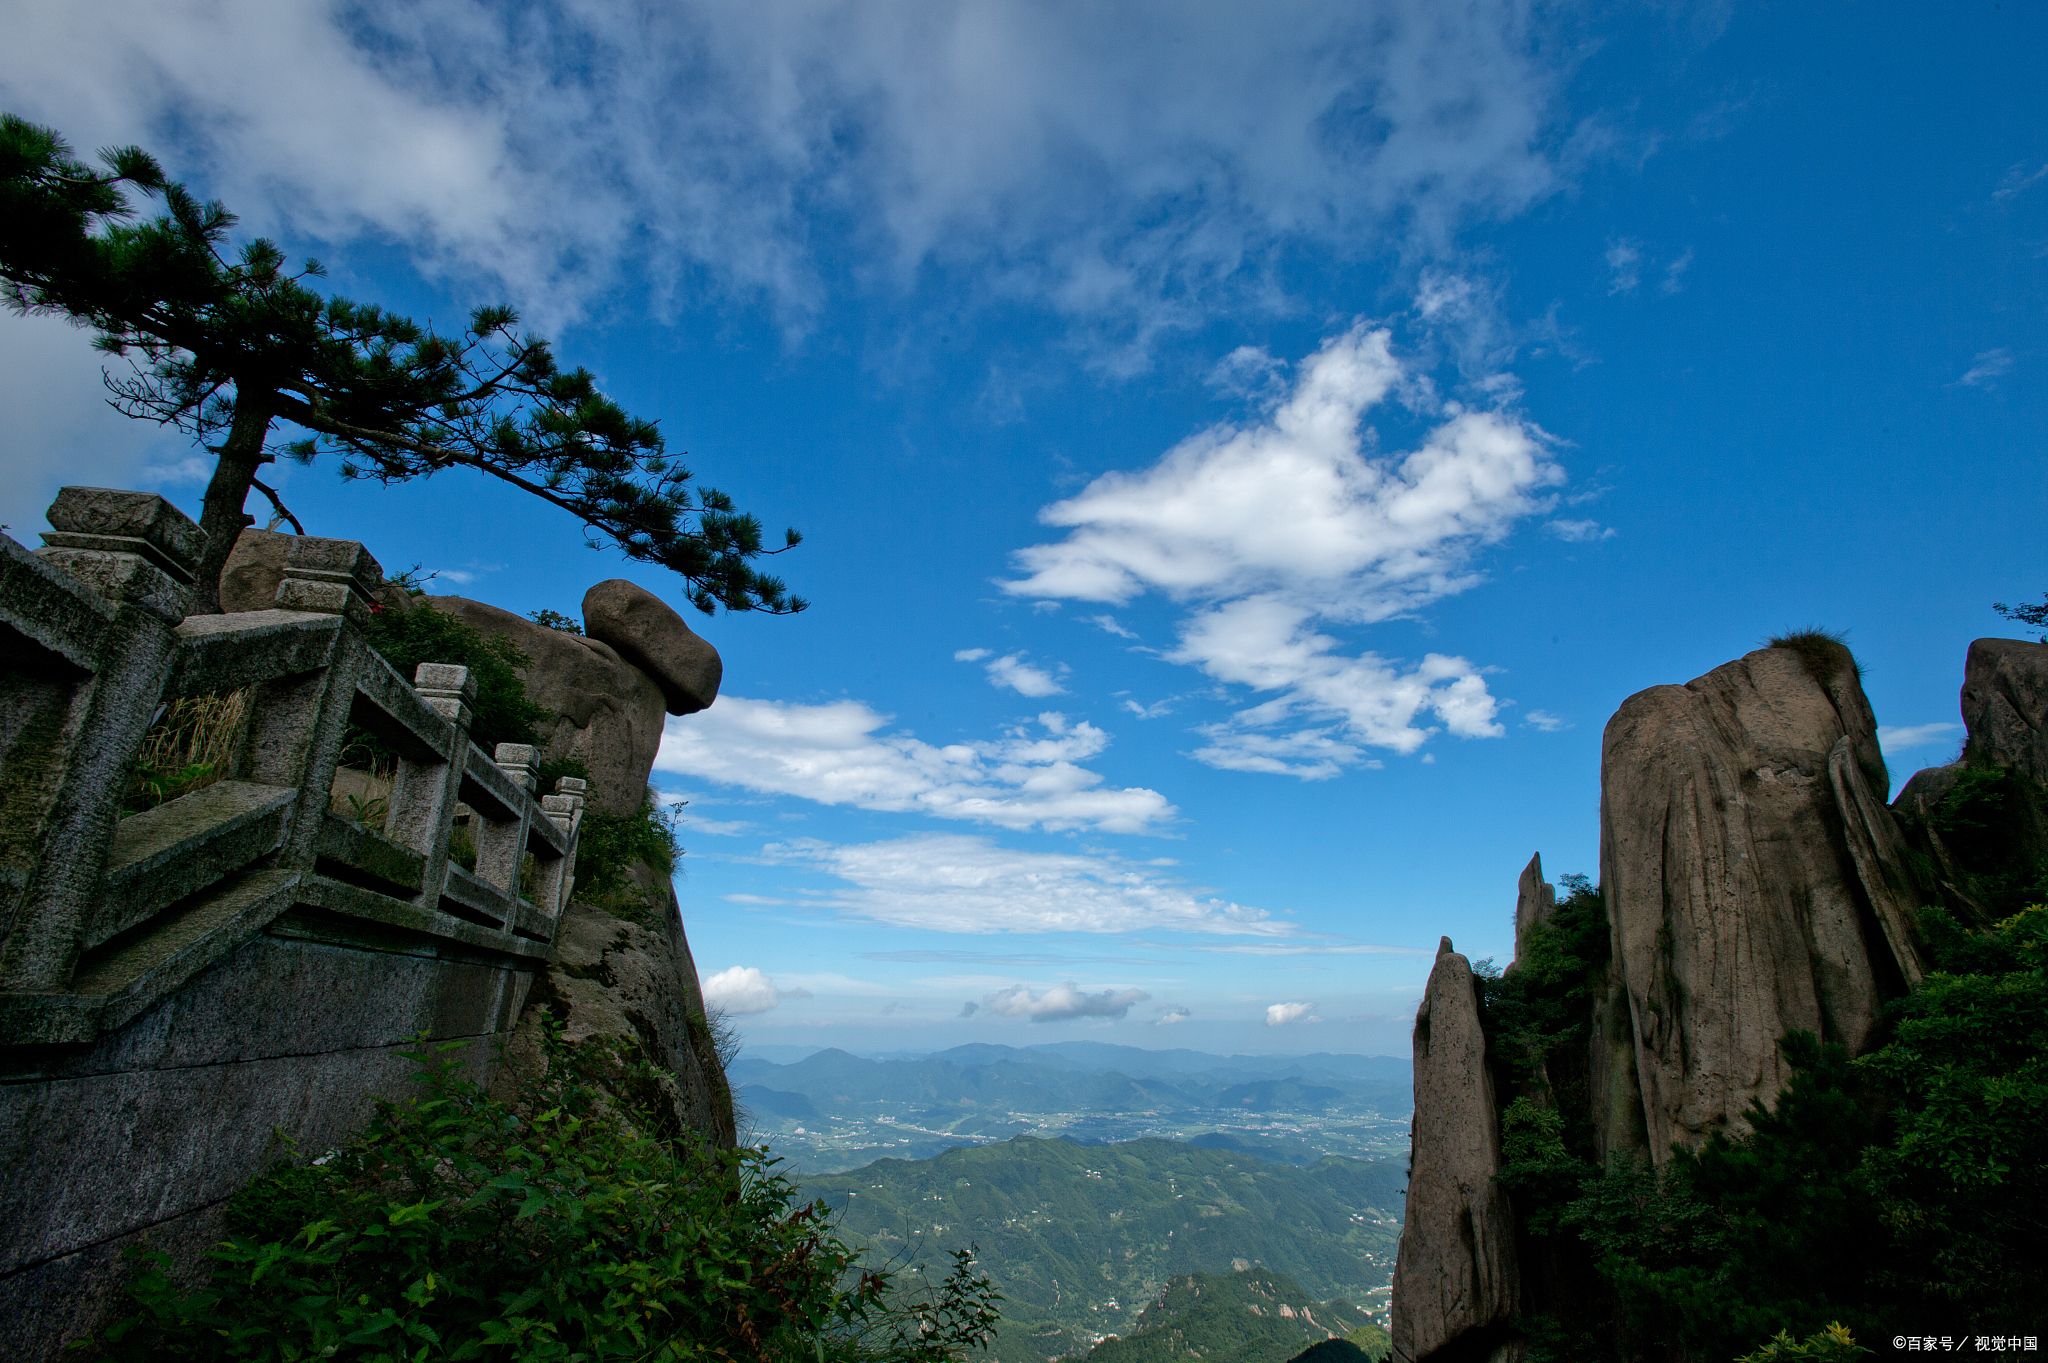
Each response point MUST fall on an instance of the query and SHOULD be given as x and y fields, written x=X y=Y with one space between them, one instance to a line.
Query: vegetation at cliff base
x=562 y=1224
x=1905 y=1191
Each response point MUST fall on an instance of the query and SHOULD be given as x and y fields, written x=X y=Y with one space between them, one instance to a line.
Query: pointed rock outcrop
x=1755 y=886
x=1535 y=901
x=1455 y=1284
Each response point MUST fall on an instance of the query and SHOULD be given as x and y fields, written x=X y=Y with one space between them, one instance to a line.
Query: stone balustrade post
x=424 y=794
x=501 y=846
x=558 y=878
x=72 y=733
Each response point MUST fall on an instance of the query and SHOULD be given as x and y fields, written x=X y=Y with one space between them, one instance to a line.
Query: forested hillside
x=1254 y=1316
x=1080 y=1239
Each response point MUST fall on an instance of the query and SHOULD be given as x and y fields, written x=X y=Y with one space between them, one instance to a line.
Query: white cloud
x=1544 y=720
x=1280 y=1014
x=740 y=991
x=2019 y=179
x=1062 y=1003
x=752 y=901
x=1580 y=532
x=1139 y=159
x=1172 y=1015
x=970 y=655
x=1674 y=273
x=832 y=754
x=1899 y=737
x=1108 y=624
x=720 y=828
x=1989 y=365
x=1265 y=529
x=1624 y=266
x=1158 y=709
x=1013 y=672
x=950 y=882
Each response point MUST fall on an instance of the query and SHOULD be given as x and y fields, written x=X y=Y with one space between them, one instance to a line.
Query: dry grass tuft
x=190 y=745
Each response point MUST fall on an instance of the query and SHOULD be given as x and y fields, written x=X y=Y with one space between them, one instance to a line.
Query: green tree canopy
x=228 y=346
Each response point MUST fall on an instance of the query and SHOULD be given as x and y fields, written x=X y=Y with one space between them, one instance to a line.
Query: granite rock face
x=2005 y=706
x=636 y=986
x=1754 y=883
x=654 y=639
x=1455 y=1281
x=1535 y=901
x=256 y=566
x=607 y=713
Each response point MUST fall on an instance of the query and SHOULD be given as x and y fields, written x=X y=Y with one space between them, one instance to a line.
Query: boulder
x=635 y=985
x=1455 y=1280
x=607 y=713
x=255 y=567
x=2005 y=706
x=1755 y=885
x=654 y=639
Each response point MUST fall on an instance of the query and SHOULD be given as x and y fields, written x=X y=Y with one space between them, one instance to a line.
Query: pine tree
x=227 y=347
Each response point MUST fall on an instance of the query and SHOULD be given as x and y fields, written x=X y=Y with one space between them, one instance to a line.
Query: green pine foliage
x=561 y=1226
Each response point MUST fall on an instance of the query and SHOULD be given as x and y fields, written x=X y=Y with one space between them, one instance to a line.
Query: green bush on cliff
x=561 y=1225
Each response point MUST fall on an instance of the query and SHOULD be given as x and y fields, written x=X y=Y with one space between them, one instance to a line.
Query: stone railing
x=106 y=916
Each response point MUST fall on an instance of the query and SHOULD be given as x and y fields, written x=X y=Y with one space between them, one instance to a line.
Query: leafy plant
x=1834 y=1344
x=501 y=712
x=560 y=1226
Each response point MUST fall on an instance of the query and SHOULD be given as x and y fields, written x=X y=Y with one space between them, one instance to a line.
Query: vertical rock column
x=1455 y=1282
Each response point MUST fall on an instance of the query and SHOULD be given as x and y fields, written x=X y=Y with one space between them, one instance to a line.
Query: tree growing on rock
x=229 y=346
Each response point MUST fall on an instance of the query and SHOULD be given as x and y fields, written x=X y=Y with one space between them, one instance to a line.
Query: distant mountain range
x=1072 y=1076
x=1081 y=1238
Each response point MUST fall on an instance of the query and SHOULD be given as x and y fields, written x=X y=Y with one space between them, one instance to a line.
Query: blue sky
x=1245 y=453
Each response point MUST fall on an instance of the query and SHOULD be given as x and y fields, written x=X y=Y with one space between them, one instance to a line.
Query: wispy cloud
x=1987 y=368
x=1674 y=273
x=2019 y=179
x=1264 y=530
x=949 y=882
x=1580 y=532
x=833 y=754
x=1545 y=721
x=1138 y=163
x=1899 y=737
x=1624 y=266
x=1012 y=672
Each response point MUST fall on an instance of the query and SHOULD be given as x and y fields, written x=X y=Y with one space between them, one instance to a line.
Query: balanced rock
x=607 y=714
x=654 y=639
x=1455 y=1279
x=1755 y=885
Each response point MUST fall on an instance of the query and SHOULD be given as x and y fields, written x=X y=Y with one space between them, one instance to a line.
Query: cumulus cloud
x=740 y=991
x=1139 y=160
x=1062 y=1003
x=1280 y=1014
x=1171 y=1016
x=1989 y=366
x=1899 y=737
x=1262 y=530
x=951 y=882
x=833 y=754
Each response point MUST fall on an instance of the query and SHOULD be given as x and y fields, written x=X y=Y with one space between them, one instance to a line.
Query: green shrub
x=502 y=713
x=558 y=1226
x=1834 y=1344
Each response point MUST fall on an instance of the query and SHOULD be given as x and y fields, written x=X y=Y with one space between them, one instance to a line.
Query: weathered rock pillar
x=1455 y=1281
